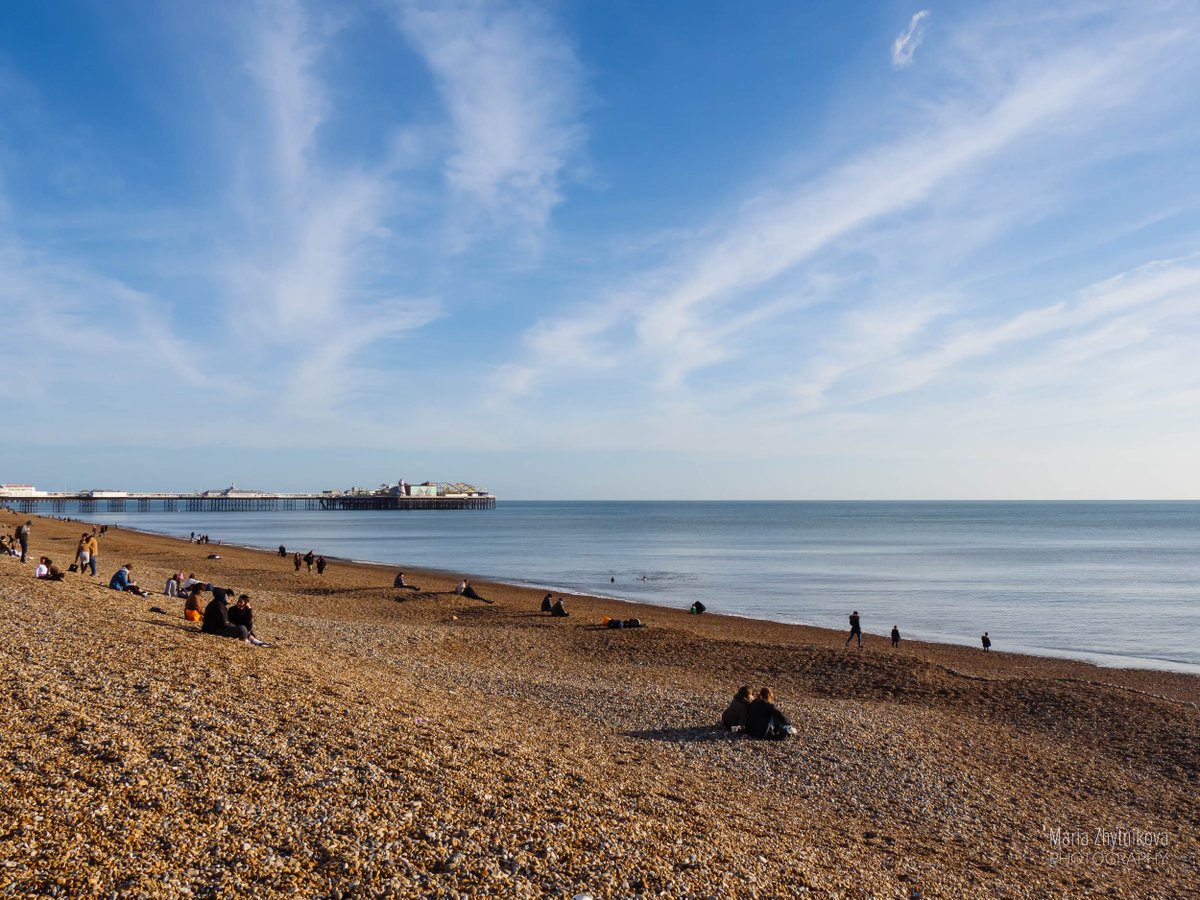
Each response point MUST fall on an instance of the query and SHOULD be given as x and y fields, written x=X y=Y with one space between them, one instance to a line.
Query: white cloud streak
x=510 y=84
x=907 y=42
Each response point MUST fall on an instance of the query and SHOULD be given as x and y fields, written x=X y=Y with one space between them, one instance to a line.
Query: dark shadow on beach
x=700 y=734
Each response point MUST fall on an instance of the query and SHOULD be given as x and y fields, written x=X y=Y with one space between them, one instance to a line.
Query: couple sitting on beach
x=232 y=622
x=759 y=718
x=555 y=608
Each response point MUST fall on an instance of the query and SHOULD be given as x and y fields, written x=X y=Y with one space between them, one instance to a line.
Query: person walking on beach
x=895 y=636
x=320 y=565
x=986 y=641
x=855 y=629
x=282 y=551
x=297 y=561
x=309 y=557
x=23 y=538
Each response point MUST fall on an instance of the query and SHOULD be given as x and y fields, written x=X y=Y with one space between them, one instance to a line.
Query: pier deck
x=61 y=502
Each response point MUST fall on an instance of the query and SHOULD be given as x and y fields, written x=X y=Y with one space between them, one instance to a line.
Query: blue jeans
x=92 y=563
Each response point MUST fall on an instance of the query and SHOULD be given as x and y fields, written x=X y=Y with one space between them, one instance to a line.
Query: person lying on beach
x=401 y=583
x=122 y=580
x=765 y=720
x=558 y=610
x=734 y=717
x=241 y=614
x=174 y=585
x=469 y=591
x=547 y=603
x=698 y=608
x=216 y=618
x=192 y=610
x=623 y=623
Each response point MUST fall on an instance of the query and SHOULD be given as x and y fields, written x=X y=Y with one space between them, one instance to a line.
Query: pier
x=58 y=502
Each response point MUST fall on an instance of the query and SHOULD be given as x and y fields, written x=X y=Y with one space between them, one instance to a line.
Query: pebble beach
x=396 y=743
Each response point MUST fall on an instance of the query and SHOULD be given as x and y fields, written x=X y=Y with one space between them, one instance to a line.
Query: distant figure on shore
x=122 y=580
x=192 y=610
x=321 y=565
x=547 y=603
x=23 y=537
x=462 y=586
x=612 y=579
x=241 y=614
x=401 y=583
x=282 y=551
x=309 y=558
x=297 y=560
x=558 y=610
x=697 y=608
x=216 y=617
x=174 y=585
x=469 y=591
x=765 y=720
x=855 y=629
x=895 y=636
x=734 y=717
x=986 y=641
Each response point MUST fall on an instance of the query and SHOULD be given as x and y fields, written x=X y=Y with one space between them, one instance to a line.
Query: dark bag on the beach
x=72 y=568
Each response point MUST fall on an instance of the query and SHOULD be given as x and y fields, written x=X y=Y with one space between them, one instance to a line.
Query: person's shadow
x=701 y=734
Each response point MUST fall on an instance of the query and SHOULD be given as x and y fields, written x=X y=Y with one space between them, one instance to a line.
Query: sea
x=1113 y=583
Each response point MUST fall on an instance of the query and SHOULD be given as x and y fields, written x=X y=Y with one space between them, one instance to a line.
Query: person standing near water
x=986 y=641
x=895 y=636
x=855 y=629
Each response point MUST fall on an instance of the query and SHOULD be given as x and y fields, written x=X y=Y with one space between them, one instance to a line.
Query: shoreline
x=1097 y=659
x=416 y=743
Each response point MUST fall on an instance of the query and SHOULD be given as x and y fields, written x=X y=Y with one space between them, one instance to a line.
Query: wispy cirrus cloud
x=512 y=88
x=906 y=43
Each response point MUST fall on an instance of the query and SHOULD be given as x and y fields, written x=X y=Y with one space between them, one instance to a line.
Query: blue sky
x=589 y=250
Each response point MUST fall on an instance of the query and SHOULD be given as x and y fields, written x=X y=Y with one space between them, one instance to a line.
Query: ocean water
x=1113 y=583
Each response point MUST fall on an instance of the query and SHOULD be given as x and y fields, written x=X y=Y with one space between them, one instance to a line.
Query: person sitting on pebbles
x=241 y=614
x=469 y=591
x=558 y=610
x=216 y=618
x=734 y=717
x=765 y=720
x=547 y=603
x=122 y=580
x=401 y=583
x=48 y=570
x=174 y=585
x=192 y=610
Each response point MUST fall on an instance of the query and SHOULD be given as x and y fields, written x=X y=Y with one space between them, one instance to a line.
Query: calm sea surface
x=1114 y=583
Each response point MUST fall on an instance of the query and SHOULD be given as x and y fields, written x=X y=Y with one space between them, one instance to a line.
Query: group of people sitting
x=758 y=717
x=235 y=621
x=554 y=607
x=48 y=570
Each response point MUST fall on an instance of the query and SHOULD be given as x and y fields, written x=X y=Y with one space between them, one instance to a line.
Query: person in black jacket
x=765 y=720
x=216 y=617
x=241 y=614
x=558 y=610
x=547 y=603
